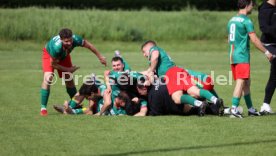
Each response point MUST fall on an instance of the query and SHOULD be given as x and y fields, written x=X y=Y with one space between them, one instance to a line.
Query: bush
x=167 y=5
x=42 y=24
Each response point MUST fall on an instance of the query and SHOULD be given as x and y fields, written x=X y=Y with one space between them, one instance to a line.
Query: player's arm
x=258 y=44
x=107 y=103
x=93 y=49
x=54 y=64
x=153 y=61
x=143 y=111
x=107 y=80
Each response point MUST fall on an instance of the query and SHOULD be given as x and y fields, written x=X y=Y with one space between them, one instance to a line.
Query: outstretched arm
x=93 y=49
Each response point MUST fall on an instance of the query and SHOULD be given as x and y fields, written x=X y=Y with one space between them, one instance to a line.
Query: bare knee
x=176 y=97
x=194 y=92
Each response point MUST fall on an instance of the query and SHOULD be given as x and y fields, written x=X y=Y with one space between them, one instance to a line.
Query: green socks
x=248 y=101
x=235 y=101
x=44 y=97
x=207 y=95
x=72 y=103
x=187 y=99
x=214 y=93
x=71 y=91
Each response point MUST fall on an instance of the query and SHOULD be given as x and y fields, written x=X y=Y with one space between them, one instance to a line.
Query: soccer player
x=178 y=80
x=267 y=22
x=240 y=32
x=56 y=55
x=119 y=65
x=92 y=90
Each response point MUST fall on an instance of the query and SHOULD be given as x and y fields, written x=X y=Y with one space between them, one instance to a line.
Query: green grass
x=41 y=24
x=24 y=132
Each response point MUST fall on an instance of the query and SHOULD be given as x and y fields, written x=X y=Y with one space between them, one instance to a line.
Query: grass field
x=24 y=132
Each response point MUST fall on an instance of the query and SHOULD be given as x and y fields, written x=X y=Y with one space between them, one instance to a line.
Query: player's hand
x=135 y=100
x=102 y=59
x=106 y=72
x=73 y=69
x=269 y=56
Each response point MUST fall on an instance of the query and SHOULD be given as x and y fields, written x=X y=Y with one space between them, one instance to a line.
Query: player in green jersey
x=178 y=80
x=240 y=32
x=56 y=55
x=91 y=90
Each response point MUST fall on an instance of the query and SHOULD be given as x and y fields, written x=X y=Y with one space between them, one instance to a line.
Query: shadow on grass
x=192 y=147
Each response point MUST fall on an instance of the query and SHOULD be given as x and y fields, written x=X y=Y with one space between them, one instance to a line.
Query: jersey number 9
x=232 y=32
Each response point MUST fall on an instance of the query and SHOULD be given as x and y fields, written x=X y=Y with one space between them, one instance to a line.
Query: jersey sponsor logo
x=57 y=40
x=237 y=19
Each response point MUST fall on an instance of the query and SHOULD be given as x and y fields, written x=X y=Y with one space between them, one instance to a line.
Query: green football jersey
x=239 y=27
x=143 y=103
x=54 y=46
x=113 y=110
x=164 y=61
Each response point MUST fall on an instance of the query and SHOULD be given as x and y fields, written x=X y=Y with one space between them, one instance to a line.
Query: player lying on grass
x=161 y=103
x=96 y=91
x=179 y=81
x=92 y=93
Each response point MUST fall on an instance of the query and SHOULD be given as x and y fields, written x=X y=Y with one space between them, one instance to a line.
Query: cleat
x=43 y=112
x=235 y=113
x=253 y=112
x=220 y=106
x=227 y=111
x=202 y=108
x=59 y=109
x=117 y=53
x=266 y=109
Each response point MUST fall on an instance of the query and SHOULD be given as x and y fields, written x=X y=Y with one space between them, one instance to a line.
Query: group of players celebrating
x=163 y=89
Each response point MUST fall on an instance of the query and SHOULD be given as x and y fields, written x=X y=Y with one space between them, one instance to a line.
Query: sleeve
x=249 y=26
x=54 y=47
x=264 y=20
x=78 y=41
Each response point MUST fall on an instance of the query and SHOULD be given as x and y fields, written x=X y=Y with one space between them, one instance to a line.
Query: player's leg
x=247 y=97
x=178 y=80
x=68 y=77
x=76 y=100
x=45 y=92
x=237 y=97
x=70 y=86
x=269 y=89
x=47 y=81
x=194 y=91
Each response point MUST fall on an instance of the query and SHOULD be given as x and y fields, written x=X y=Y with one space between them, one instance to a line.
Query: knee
x=176 y=100
x=194 y=92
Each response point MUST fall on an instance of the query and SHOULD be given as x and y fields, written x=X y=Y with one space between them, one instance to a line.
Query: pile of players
x=163 y=89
